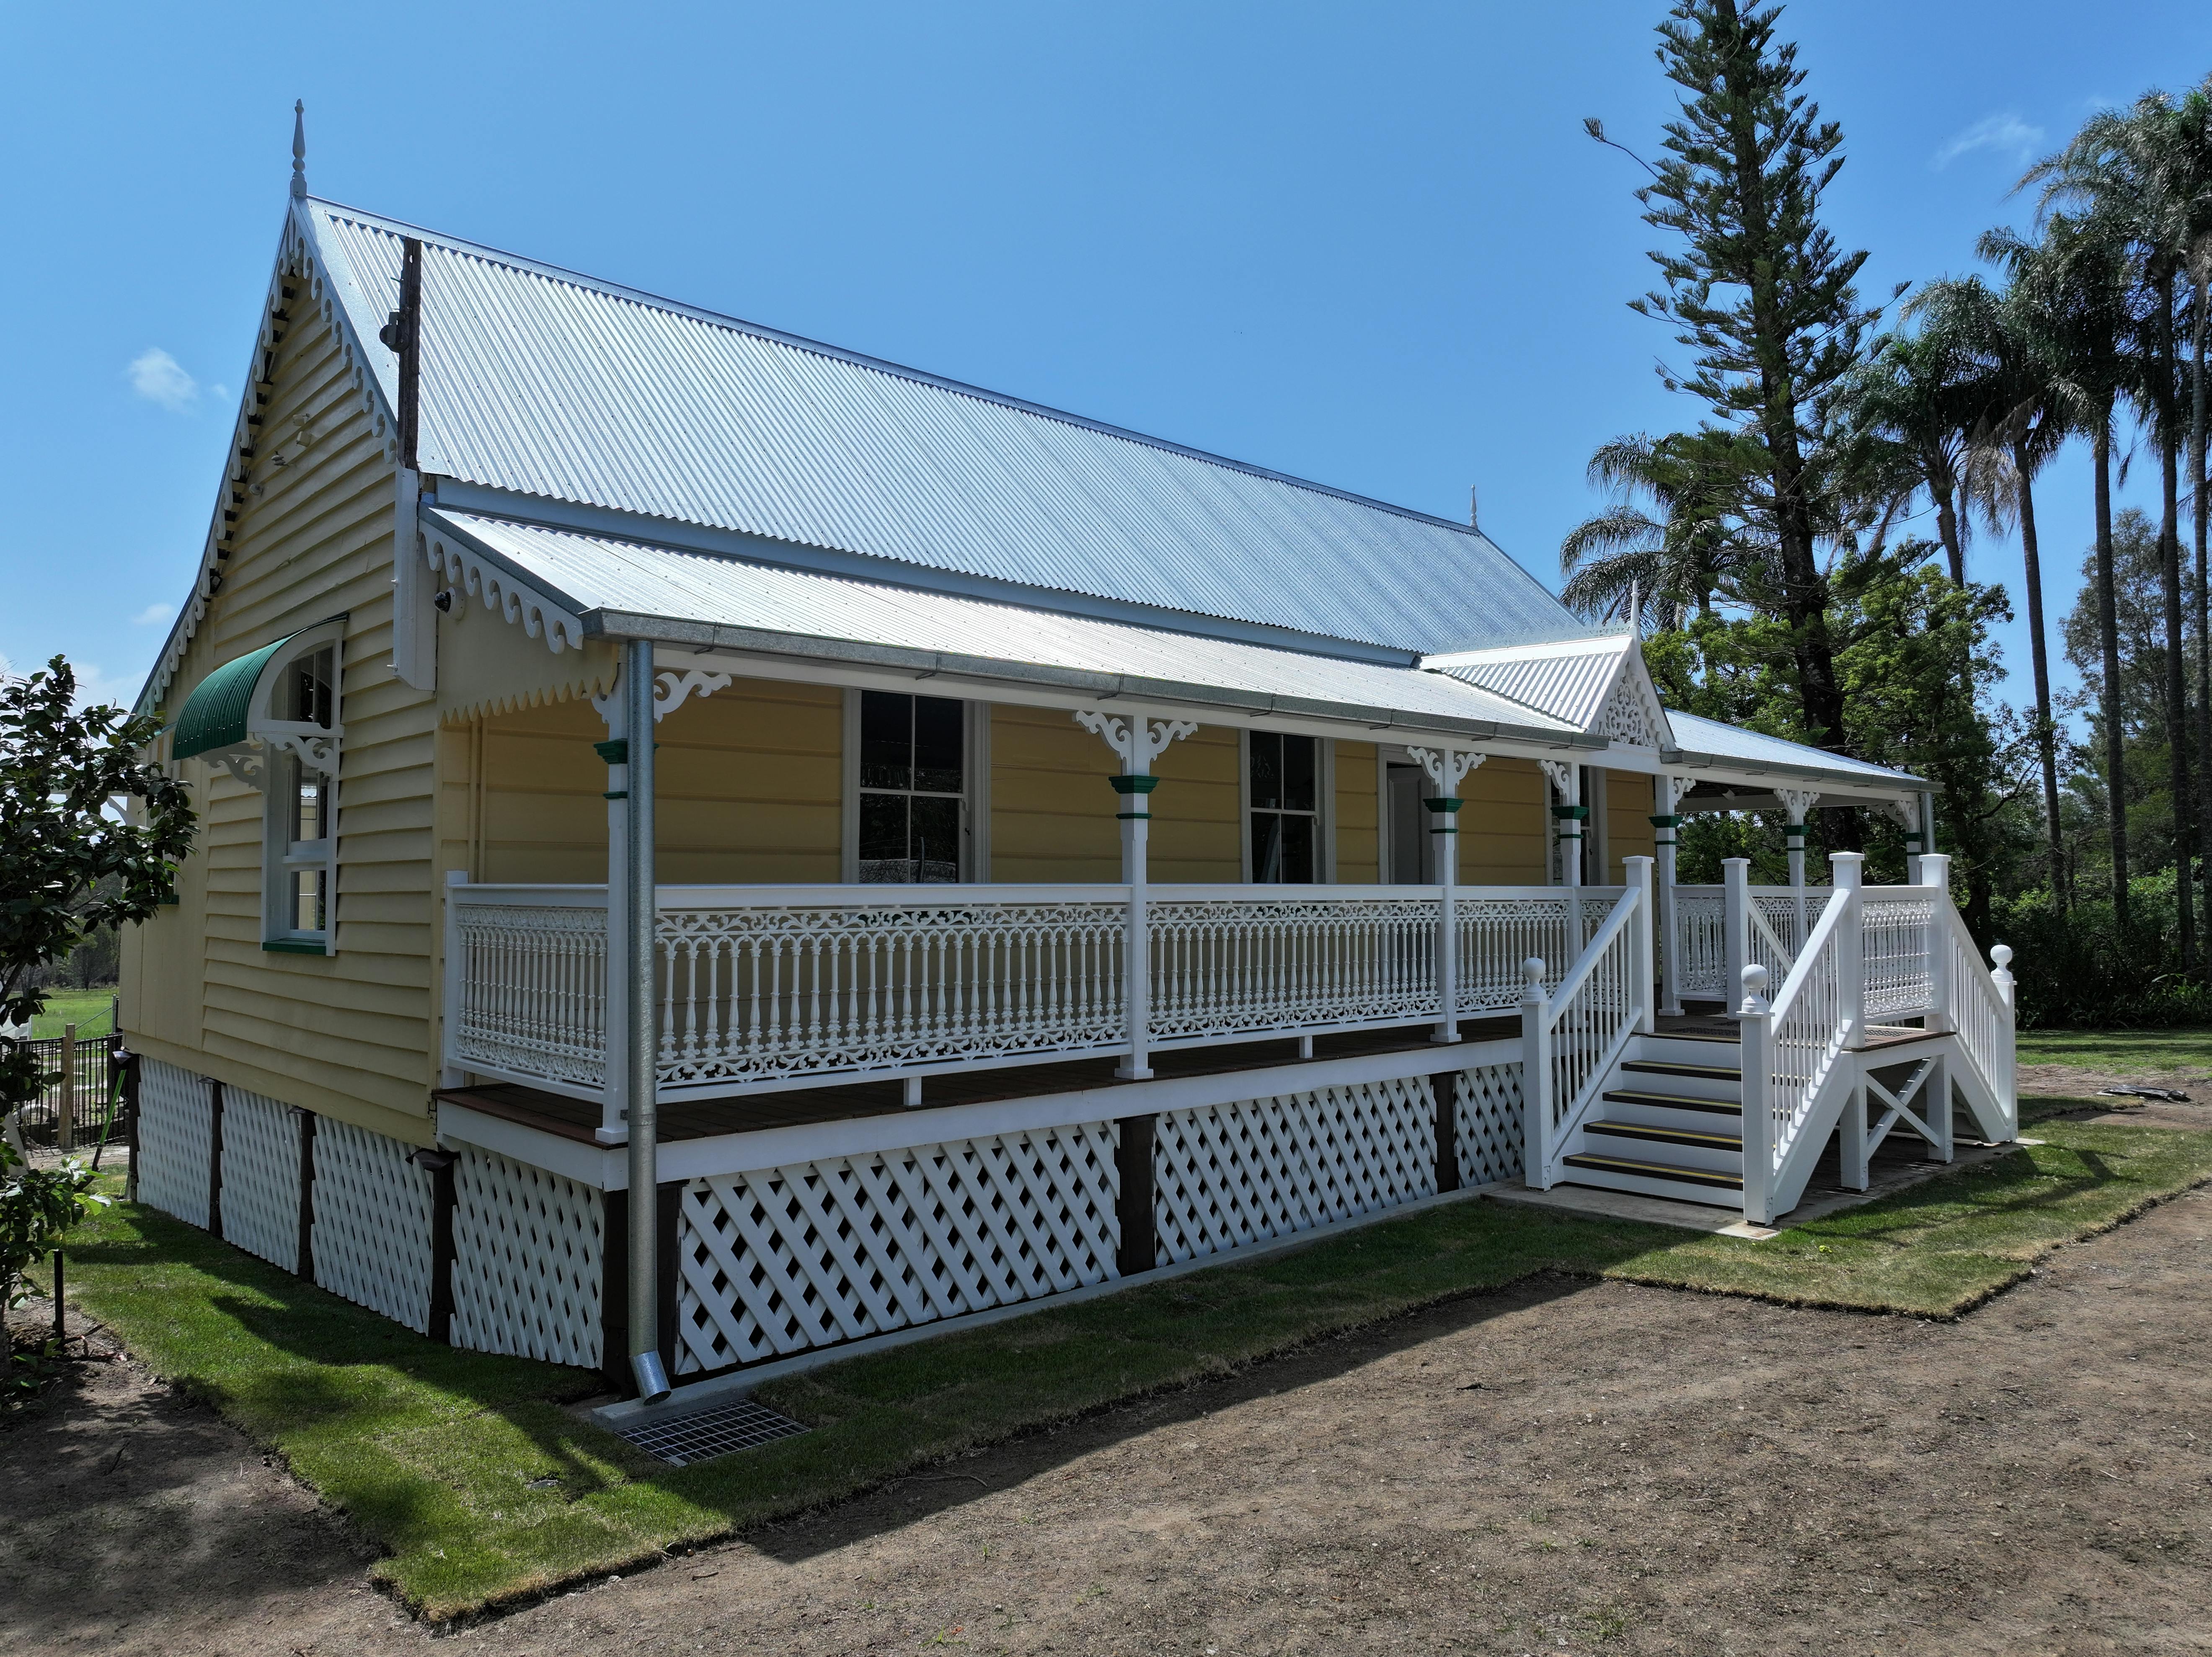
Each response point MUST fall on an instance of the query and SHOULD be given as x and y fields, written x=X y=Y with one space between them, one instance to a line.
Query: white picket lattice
x=1491 y=1124
x=1225 y=1175
x=781 y=1260
x=528 y=1253
x=372 y=1233
x=175 y=1129
x=261 y=1177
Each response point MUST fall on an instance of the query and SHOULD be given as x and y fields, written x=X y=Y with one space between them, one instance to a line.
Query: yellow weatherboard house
x=716 y=847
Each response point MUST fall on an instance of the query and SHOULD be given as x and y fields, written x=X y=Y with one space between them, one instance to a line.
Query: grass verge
x=2121 y=1052
x=487 y=1492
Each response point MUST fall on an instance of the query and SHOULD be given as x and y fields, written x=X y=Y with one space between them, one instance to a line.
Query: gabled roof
x=548 y=384
x=1597 y=684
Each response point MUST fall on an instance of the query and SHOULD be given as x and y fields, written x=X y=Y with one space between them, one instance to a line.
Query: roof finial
x=299 y=149
x=1474 y=515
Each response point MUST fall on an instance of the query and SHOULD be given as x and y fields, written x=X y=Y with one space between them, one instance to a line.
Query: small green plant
x=37 y=1205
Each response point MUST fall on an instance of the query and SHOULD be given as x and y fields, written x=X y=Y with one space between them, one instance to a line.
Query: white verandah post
x=1735 y=919
x=1850 y=868
x=1668 y=792
x=1795 y=803
x=1447 y=767
x=1138 y=740
x=1935 y=873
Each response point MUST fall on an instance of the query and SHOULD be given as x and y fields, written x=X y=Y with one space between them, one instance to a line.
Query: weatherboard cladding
x=545 y=383
x=589 y=572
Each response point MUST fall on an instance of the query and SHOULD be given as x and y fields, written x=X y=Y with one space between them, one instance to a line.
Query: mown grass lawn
x=485 y=1490
x=2148 y=1053
x=91 y=1010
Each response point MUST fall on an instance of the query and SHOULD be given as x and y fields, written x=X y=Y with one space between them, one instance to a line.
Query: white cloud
x=2007 y=135
x=152 y=613
x=160 y=378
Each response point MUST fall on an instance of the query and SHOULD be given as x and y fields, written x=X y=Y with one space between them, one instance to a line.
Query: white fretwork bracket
x=1907 y=811
x=249 y=761
x=672 y=688
x=1447 y=766
x=1138 y=740
x=1678 y=790
x=1797 y=801
x=1562 y=775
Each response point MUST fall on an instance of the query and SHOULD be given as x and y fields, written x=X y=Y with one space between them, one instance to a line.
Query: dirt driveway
x=1562 y=1467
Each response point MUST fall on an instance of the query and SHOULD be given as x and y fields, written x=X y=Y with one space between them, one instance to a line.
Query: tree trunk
x=2199 y=295
x=2108 y=626
x=2046 y=740
x=2169 y=561
x=1804 y=593
x=1947 y=526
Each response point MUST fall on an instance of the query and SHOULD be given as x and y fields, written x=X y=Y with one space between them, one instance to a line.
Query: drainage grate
x=702 y=1434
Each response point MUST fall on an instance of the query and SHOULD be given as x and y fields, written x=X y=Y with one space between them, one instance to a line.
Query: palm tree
x=2022 y=424
x=2081 y=272
x=1921 y=395
x=1673 y=539
x=2133 y=169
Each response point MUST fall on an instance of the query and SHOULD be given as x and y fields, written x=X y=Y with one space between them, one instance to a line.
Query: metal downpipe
x=642 y=1048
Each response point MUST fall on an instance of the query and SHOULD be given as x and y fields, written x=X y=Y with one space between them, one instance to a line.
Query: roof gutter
x=1694 y=759
x=714 y=636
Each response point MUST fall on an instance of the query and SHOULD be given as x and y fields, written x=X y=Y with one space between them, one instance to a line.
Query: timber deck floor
x=702 y=1118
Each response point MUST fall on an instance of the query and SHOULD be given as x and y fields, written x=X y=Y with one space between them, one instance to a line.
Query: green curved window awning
x=214 y=716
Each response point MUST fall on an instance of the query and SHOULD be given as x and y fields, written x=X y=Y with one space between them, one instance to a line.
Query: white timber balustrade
x=1573 y=1035
x=1719 y=930
x=763 y=987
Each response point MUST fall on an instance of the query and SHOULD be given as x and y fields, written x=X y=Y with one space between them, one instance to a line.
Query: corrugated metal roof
x=1569 y=680
x=1712 y=739
x=589 y=573
x=544 y=382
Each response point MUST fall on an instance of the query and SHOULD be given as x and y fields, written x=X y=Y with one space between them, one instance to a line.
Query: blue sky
x=1367 y=244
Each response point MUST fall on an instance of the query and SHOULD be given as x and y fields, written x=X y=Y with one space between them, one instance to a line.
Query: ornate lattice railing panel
x=1497 y=932
x=753 y=994
x=261 y=1177
x=372 y=1233
x=175 y=1140
x=1225 y=1175
x=1701 y=945
x=1895 y=956
x=528 y=1253
x=532 y=988
x=1227 y=966
x=1490 y=1125
x=781 y=1260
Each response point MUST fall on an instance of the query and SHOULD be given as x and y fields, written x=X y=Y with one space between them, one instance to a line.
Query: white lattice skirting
x=260 y=1176
x=528 y=1253
x=814 y=1254
x=175 y=1130
x=372 y=1237
x=1491 y=1125
x=1227 y=1175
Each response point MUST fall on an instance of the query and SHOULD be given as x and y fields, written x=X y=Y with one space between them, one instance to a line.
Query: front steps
x=1670 y=1125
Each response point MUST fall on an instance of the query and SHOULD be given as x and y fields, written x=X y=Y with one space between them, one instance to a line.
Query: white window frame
x=286 y=744
x=975 y=797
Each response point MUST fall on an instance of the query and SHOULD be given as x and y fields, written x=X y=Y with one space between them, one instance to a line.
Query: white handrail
x=1794 y=1046
x=1571 y=1038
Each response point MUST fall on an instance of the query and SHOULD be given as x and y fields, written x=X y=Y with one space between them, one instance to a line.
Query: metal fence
x=83 y=1102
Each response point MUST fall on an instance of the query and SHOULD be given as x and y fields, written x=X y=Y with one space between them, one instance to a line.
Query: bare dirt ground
x=1561 y=1467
